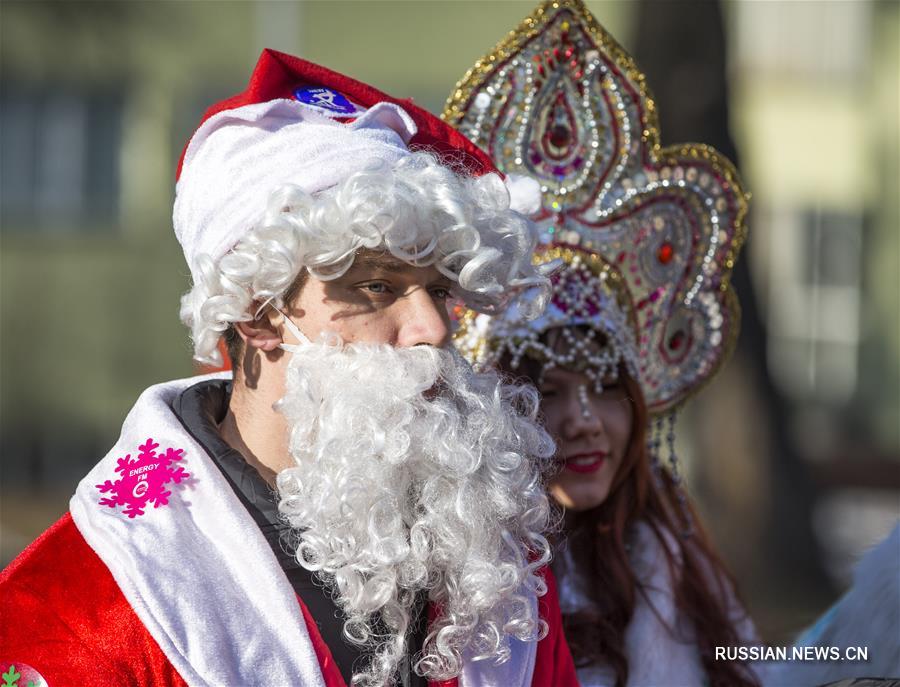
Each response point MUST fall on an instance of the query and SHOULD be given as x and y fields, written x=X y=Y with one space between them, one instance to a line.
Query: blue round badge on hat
x=326 y=99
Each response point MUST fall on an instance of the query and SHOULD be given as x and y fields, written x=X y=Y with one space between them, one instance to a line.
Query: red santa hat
x=300 y=123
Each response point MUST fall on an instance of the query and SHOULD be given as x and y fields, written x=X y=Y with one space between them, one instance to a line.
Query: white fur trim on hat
x=239 y=156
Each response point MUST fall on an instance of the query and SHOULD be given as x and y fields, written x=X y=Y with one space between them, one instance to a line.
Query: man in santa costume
x=354 y=504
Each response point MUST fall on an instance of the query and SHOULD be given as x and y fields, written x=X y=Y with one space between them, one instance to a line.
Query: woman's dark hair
x=703 y=586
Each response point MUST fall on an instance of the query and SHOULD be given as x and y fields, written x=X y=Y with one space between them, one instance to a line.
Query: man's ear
x=263 y=333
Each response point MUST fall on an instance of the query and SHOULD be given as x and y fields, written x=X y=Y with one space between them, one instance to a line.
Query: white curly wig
x=417 y=209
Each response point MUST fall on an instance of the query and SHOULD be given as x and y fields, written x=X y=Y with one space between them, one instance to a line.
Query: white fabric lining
x=165 y=560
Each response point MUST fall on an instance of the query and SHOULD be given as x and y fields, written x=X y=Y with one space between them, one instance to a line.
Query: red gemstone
x=676 y=340
x=665 y=253
x=560 y=136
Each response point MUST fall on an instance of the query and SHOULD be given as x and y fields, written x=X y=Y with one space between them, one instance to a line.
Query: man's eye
x=376 y=287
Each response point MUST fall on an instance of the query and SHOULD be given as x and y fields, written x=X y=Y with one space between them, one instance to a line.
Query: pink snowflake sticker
x=143 y=479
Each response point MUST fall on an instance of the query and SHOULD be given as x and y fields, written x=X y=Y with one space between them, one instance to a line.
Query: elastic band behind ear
x=263 y=306
x=294 y=329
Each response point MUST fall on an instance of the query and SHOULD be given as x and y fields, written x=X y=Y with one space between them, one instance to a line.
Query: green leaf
x=11 y=677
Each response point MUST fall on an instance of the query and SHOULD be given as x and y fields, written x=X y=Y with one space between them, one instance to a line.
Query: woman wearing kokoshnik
x=642 y=316
x=645 y=598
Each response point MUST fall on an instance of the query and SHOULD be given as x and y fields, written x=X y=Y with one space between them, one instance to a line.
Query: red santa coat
x=161 y=577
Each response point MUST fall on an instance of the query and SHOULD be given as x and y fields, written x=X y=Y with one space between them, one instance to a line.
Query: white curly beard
x=415 y=473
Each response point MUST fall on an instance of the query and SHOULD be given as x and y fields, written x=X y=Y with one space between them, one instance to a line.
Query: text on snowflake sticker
x=143 y=479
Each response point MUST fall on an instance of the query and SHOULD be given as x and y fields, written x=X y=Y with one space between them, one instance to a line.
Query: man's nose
x=424 y=320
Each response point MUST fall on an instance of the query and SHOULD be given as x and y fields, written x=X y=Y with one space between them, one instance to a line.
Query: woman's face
x=592 y=432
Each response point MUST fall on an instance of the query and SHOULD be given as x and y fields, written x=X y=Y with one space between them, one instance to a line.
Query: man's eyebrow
x=388 y=263
x=372 y=262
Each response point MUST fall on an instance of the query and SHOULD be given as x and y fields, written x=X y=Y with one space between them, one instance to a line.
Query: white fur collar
x=197 y=570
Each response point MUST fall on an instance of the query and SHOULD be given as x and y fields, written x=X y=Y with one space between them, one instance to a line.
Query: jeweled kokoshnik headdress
x=648 y=235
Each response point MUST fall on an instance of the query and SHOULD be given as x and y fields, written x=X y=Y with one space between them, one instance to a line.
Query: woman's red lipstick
x=586 y=462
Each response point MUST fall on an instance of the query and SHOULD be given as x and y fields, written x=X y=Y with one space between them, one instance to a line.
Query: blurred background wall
x=793 y=452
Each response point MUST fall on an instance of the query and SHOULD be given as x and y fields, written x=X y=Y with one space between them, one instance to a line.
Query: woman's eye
x=614 y=390
x=440 y=293
x=376 y=287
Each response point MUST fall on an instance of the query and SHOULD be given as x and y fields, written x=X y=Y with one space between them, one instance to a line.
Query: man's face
x=380 y=299
x=388 y=434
